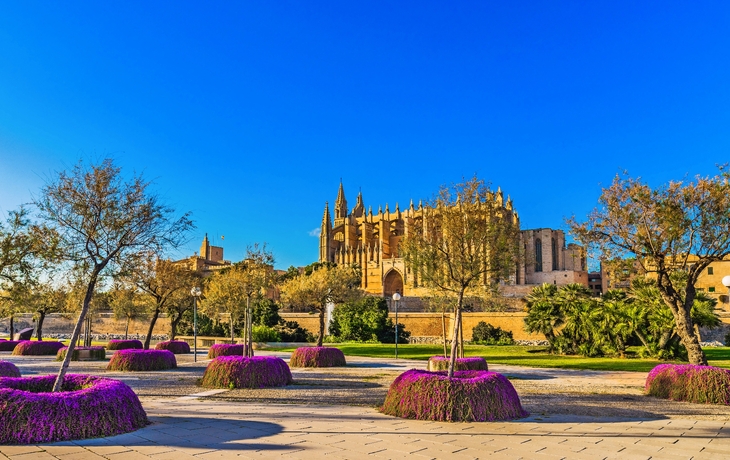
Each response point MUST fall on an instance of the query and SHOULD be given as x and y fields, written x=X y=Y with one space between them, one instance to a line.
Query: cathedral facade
x=371 y=240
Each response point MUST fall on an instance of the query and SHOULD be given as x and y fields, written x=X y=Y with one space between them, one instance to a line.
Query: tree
x=324 y=285
x=682 y=226
x=99 y=219
x=232 y=290
x=466 y=241
x=19 y=246
x=127 y=305
x=364 y=320
x=41 y=297
x=161 y=282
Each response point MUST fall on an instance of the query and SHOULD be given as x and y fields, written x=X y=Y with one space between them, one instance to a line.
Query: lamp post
x=195 y=292
x=396 y=298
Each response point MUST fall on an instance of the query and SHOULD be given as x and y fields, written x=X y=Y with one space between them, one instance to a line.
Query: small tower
x=205 y=248
x=324 y=235
x=341 y=203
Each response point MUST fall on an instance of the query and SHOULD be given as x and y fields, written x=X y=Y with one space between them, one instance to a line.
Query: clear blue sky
x=249 y=113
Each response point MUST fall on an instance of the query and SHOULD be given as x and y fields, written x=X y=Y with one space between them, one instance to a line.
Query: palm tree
x=543 y=312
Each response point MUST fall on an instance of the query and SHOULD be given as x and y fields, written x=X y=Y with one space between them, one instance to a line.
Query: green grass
x=521 y=356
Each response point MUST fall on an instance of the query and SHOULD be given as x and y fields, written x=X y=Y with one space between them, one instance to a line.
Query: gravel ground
x=365 y=382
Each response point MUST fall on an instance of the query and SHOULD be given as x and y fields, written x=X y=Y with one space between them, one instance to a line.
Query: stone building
x=209 y=260
x=371 y=241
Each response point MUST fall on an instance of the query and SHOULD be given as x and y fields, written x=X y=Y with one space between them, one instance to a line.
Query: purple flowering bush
x=439 y=363
x=225 y=349
x=689 y=382
x=9 y=345
x=95 y=353
x=317 y=357
x=245 y=372
x=470 y=396
x=86 y=407
x=124 y=345
x=141 y=360
x=8 y=369
x=178 y=347
x=28 y=348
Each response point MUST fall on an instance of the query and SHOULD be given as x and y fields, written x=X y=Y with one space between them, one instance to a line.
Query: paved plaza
x=192 y=427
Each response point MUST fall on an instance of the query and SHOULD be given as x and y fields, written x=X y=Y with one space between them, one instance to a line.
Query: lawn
x=522 y=356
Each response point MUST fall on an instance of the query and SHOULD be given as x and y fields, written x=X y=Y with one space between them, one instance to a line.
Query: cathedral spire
x=359 y=208
x=340 y=203
x=326 y=219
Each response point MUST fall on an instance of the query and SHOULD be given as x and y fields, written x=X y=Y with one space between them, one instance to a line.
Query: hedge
x=178 y=347
x=470 y=396
x=28 y=348
x=246 y=372
x=317 y=357
x=225 y=349
x=9 y=345
x=439 y=363
x=96 y=353
x=86 y=407
x=124 y=345
x=142 y=360
x=8 y=369
x=689 y=382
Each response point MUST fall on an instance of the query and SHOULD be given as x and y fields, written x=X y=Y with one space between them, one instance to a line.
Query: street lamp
x=396 y=298
x=195 y=292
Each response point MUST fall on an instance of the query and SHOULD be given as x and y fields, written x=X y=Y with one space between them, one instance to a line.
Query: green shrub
x=486 y=334
x=365 y=320
x=265 y=334
x=290 y=331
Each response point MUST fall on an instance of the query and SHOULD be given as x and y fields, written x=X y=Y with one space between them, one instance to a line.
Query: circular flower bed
x=8 y=369
x=225 y=349
x=470 y=396
x=142 y=360
x=86 y=407
x=178 y=347
x=317 y=357
x=28 y=348
x=439 y=363
x=245 y=372
x=83 y=354
x=9 y=345
x=124 y=344
x=691 y=383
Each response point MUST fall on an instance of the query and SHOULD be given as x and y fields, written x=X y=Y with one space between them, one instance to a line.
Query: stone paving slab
x=220 y=430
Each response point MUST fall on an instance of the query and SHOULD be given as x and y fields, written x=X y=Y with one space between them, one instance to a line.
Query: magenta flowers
x=689 y=382
x=317 y=357
x=8 y=369
x=439 y=363
x=27 y=348
x=124 y=345
x=87 y=407
x=178 y=347
x=142 y=360
x=245 y=372
x=471 y=396
x=225 y=349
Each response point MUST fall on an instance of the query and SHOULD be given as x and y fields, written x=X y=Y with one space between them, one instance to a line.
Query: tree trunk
x=39 y=329
x=643 y=340
x=443 y=330
x=77 y=331
x=681 y=310
x=689 y=339
x=249 y=328
x=147 y=339
x=126 y=328
x=233 y=334
x=461 y=338
x=174 y=320
x=321 y=326
x=12 y=327
x=455 y=335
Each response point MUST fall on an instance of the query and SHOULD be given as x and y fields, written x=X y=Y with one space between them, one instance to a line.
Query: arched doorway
x=392 y=283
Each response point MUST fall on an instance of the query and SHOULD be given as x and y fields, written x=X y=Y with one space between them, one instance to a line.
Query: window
x=555 y=255
x=538 y=255
x=711 y=289
x=710 y=271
